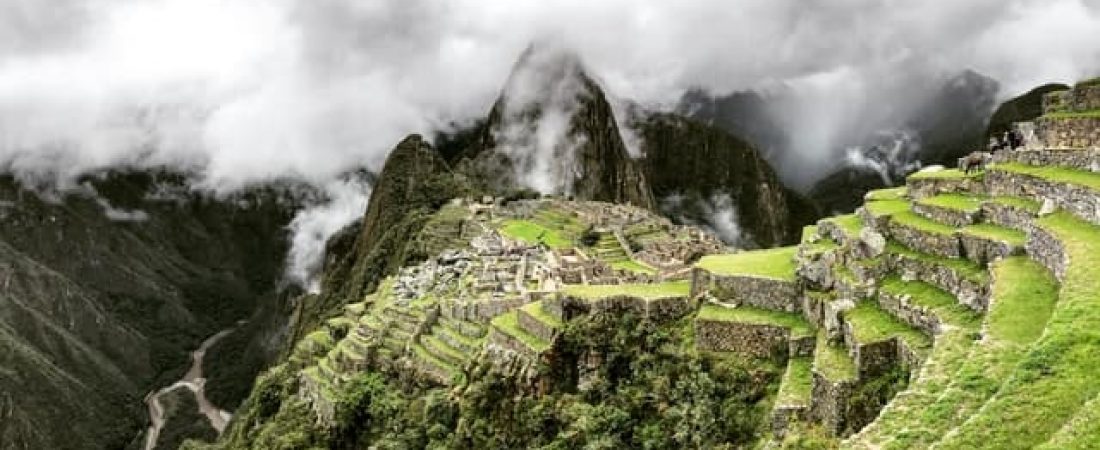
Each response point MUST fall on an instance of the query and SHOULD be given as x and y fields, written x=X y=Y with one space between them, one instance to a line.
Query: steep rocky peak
x=552 y=130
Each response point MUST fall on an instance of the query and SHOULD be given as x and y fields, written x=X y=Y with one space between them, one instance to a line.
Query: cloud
x=249 y=90
x=313 y=226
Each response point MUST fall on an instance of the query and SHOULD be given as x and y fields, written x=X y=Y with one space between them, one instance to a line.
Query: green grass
x=530 y=232
x=833 y=361
x=1057 y=375
x=1055 y=174
x=897 y=193
x=534 y=309
x=1025 y=293
x=942 y=303
x=913 y=220
x=775 y=263
x=634 y=266
x=756 y=316
x=797 y=383
x=880 y=208
x=509 y=324
x=871 y=324
x=643 y=291
x=439 y=346
x=1091 y=114
x=967 y=269
x=958 y=202
x=850 y=224
x=809 y=233
x=821 y=246
x=1025 y=204
x=426 y=355
x=945 y=174
x=995 y=232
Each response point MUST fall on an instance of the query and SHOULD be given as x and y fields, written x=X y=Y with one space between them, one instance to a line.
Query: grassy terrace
x=850 y=224
x=643 y=291
x=775 y=263
x=633 y=266
x=797 y=383
x=832 y=360
x=1024 y=292
x=942 y=303
x=1025 y=204
x=958 y=202
x=871 y=324
x=968 y=269
x=809 y=233
x=896 y=193
x=997 y=233
x=534 y=233
x=880 y=208
x=756 y=316
x=509 y=324
x=946 y=174
x=534 y=309
x=918 y=222
x=1055 y=174
x=426 y=355
x=1092 y=114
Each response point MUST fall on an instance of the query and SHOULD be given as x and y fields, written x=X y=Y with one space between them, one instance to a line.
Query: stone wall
x=801 y=346
x=950 y=216
x=1046 y=249
x=659 y=310
x=1008 y=216
x=535 y=326
x=969 y=293
x=1055 y=101
x=761 y=341
x=766 y=293
x=915 y=315
x=829 y=403
x=983 y=250
x=929 y=187
x=1078 y=200
x=480 y=311
x=1077 y=159
x=1083 y=98
x=945 y=245
x=426 y=371
x=1073 y=132
x=784 y=415
x=504 y=341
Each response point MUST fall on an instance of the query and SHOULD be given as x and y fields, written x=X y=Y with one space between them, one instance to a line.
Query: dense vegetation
x=650 y=391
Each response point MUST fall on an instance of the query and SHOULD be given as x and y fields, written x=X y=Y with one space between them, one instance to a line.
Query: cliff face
x=705 y=175
x=105 y=290
x=552 y=130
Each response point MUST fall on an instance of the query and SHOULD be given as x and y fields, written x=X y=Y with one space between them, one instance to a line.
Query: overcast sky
x=244 y=89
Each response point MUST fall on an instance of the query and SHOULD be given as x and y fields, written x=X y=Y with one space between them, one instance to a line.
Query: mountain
x=706 y=176
x=1022 y=108
x=107 y=287
x=552 y=130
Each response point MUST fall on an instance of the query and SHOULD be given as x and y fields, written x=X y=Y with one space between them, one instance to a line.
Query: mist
x=241 y=92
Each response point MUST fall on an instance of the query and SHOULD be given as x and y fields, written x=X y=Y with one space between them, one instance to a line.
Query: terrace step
x=506 y=332
x=932 y=183
x=1056 y=375
x=440 y=349
x=956 y=210
x=458 y=341
x=834 y=379
x=965 y=280
x=534 y=320
x=879 y=341
x=1075 y=191
x=761 y=278
x=841 y=229
x=752 y=331
x=1011 y=212
x=1078 y=159
x=437 y=369
x=792 y=401
x=923 y=235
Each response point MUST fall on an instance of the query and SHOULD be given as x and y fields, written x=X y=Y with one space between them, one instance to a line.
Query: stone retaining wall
x=829 y=403
x=457 y=344
x=784 y=415
x=1078 y=200
x=933 y=243
x=983 y=250
x=766 y=293
x=813 y=308
x=969 y=293
x=761 y=341
x=816 y=269
x=801 y=346
x=427 y=371
x=504 y=341
x=950 y=216
x=1047 y=250
x=930 y=187
x=1071 y=132
x=660 y=310
x=1007 y=216
x=480 y=311
x=916 y=316
x=535 y=326
x=1086 y=159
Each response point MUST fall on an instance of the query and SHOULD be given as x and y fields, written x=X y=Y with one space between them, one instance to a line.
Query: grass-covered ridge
x=642 y=291
x=756 y=316
x=774 y=263
x=533 y=233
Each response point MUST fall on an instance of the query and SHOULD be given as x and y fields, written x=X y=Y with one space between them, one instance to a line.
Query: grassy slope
x=774 y=263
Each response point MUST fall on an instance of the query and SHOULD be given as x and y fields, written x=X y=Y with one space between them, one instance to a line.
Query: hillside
x=957 y=311
x=107 y=287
